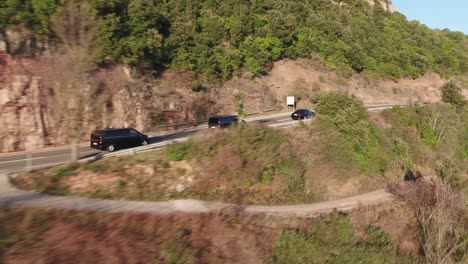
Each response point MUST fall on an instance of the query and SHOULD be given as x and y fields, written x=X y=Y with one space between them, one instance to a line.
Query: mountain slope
x=217 y=39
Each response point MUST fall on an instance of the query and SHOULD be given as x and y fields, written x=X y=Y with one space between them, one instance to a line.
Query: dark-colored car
x=117 y=138
x=302 y=114
x=222 y=121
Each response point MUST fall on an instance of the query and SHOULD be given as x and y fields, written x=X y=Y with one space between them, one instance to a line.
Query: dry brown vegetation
x=68 y=77
x=74 y=237
x=223 y=237
x=440 y=213
x=342 y=153
x=219 y=172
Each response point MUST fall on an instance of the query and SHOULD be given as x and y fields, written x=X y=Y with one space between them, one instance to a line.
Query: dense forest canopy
x=218 y=38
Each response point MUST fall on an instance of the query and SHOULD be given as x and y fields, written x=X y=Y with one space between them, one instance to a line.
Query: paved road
x=47 y=157
x=17 y=161
x=13 y=162
x=10 y=196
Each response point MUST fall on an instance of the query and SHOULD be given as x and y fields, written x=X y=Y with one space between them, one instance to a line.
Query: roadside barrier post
x=28 y=156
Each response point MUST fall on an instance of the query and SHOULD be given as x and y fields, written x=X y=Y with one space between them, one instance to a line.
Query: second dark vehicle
x=222 y=121
x=117 y=138
x=302 y=114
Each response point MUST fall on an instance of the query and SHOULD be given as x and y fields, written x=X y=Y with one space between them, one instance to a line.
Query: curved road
x=17 y=161
x=11 y=196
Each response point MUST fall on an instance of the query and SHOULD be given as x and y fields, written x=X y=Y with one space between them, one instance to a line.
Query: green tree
x=203 y=36
x=144 y=44
x=452 y=94
x=260 y=52
x=43 y=11
x=239 y=103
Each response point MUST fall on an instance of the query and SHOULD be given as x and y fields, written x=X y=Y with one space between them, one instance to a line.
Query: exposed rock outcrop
x=24 y=43
x=27 y=106
x=29 y=113
x=386 y=4
x=23 y=112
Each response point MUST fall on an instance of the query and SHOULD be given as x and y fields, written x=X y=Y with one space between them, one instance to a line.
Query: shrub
x=67 y=170
x=239 y=103
x=197 y=86
x=367 y=144
x=441 y=216
x=267 y=175
x=178 y=151
x=178 y=249
x=332 y=240
x=433 y=135
x=161 y=164
x=451 y=93
x=334 y=103
x=293 y=179
x=95 y=167
x=257 y=143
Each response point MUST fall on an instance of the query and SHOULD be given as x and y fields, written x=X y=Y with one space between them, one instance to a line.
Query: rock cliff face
x=24 y=43
x=28 y=111
x=23 y=107
x=386 y=4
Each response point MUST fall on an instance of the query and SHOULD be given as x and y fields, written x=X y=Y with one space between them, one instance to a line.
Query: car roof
x=224 y=116
x=111 y=129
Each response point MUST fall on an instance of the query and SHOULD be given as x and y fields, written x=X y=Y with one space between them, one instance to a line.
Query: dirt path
x=11 y=196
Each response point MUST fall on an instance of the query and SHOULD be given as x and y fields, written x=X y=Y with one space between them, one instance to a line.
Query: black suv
x=116 y=138
x=302 y=114
x=222 y=121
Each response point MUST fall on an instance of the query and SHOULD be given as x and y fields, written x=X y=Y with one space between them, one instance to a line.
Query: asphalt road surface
x=18 y=161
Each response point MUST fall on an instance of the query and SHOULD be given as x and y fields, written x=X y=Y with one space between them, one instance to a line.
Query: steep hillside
x=152 y=56
x=217 y=39
x=28 y=113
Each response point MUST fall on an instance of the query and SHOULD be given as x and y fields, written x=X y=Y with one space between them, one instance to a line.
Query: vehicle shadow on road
x=96 y=155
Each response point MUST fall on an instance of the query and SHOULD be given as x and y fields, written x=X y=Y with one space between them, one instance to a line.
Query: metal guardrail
x=133 y=151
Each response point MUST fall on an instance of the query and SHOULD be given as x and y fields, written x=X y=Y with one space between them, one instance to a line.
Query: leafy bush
x=335 y=103
x=197 y=86
x=178 y=151
x=293 y=180
x=432 y=135
x=451 y=93
x=257 y=142
x=332 y=240
x=67 y=170
x=354 y=133
x=178 y=249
